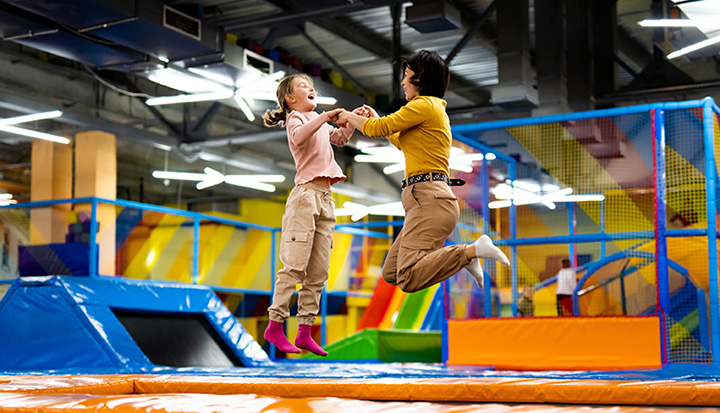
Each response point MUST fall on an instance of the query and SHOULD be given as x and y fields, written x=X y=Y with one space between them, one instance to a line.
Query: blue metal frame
x=660 y=232
x=710 y=176
x=358 y=228
x=661 y=259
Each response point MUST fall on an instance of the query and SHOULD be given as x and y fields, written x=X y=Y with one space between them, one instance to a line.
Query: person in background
x=421 y=130
x=566 y=282
x=309 y=218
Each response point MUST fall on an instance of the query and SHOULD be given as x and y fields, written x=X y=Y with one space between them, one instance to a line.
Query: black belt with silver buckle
x=431 y=177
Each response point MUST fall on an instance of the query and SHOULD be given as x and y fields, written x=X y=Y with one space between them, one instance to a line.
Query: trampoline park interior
x=140 y=237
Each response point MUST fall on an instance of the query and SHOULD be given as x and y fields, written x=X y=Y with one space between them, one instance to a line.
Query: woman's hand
x=361 y=111
x=343 y=118
x=371 y=112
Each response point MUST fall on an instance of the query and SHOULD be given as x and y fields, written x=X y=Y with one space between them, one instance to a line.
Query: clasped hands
x=355 y=118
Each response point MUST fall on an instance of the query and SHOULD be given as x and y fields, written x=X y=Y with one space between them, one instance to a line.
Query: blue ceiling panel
x=78 y=14
x=156 y=40
x=79 y=49
x=12 y=25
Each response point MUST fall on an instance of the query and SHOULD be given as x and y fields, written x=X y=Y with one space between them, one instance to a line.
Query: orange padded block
x=556 y=343
x=110 y=384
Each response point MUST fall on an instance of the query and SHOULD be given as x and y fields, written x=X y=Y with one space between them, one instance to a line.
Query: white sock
x=484 y=248
x=476 y=271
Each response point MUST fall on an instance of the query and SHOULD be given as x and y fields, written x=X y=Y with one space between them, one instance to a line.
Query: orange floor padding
x=147 y=393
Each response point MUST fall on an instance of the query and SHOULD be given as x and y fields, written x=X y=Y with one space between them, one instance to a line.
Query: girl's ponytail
x=274 y=117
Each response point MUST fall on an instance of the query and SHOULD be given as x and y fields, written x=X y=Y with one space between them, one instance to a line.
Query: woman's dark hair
x=431 y=72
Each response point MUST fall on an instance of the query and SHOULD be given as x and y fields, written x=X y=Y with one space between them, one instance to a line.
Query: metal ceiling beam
x=332 y=60
x=376 y=44
x=471 y=32
x=301 y=15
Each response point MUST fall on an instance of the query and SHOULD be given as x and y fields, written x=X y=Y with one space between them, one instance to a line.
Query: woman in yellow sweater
x=421 y=129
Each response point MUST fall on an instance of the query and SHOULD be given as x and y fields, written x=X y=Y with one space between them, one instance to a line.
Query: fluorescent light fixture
x=325 y=100
x=34 y=134
x=668 y=23
x=211 y=177
x=459 y=160
x=694 y=47
x=273 y=76
x=31 y=118
x=8 y=202
x=270 y=96
x=244 y=107
x=525 y=193
x=197 y=97
x=391 y=169
x=259 y=95
x=225 y=80
x=458 y=166
x=185 y=82
x=182 y=176
x=583 y=198
x=387 y=158
x=358 y=211
x=166 y=148
x=500 y=204
x=5 y=197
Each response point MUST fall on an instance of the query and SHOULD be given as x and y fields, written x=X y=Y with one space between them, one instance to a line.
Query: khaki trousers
x=305 y=243
x=417 y=259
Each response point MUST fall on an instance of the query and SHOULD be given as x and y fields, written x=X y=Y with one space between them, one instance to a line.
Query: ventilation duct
x=143 y=27
x=515 y=72
x=430 y=17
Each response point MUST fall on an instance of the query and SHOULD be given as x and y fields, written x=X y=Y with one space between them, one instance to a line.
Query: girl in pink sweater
x=309 y=218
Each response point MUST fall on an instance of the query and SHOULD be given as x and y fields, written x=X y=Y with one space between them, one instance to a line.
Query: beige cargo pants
x=417 y=259
x=307 y=227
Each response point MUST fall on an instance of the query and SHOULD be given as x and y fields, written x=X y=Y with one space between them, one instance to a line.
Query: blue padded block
x=53 y=323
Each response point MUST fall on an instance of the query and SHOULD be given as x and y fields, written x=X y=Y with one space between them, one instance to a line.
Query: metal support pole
x=661 y=263
x=710 y=176
x=602 y=228
x=513 y=248
x=196 y=250
x=93 y=259
x=273 y=271
x=485 y=182
x=323 y=317
x=571 y=231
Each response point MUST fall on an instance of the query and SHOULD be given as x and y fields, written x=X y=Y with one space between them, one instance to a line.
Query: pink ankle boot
x=305 y=341
x=274 y=333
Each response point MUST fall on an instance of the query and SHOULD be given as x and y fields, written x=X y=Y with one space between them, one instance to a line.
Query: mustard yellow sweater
x=421 y=129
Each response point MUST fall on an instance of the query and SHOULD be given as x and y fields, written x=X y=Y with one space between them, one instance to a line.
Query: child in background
x=309 y=218
x=566 y=282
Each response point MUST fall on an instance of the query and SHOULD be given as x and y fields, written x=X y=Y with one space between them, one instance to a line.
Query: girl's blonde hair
x=278 y=116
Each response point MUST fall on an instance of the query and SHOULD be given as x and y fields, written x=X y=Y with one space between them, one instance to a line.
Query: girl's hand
x=343 y=118
x=333 y=114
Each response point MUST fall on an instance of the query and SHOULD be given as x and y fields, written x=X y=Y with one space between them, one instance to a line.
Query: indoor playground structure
x=112 y=304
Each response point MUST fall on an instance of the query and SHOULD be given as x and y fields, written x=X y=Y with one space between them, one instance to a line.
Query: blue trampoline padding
x=51 y=323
